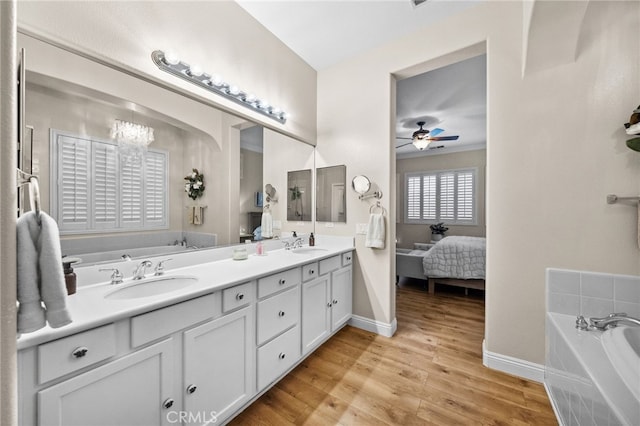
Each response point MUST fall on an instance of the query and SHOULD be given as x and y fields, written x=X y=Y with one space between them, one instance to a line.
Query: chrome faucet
x=612 y=320
x=141 y=269
x=159 y=269
x=297 y=243
x=116 y=275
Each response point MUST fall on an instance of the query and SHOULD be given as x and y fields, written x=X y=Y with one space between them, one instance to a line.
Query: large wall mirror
x=113 y=209
x=331 y=205
x=299 y=195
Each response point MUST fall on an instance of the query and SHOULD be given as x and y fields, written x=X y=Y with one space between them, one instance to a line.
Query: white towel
x=40 y=275
x=267 y=225
x=375 y=231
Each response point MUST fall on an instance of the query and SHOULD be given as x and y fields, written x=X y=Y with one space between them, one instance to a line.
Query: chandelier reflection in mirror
x=133 y=140
x=194 y=74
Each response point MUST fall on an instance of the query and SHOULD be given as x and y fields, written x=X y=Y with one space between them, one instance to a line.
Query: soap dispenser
x=312 y=240
x=69 y=275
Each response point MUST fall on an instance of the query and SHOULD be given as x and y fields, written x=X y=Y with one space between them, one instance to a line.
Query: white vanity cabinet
x=133 y=390
x=326 y=300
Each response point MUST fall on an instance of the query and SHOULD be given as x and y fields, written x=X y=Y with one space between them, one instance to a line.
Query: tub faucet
x=612 y=320
x=141 y=269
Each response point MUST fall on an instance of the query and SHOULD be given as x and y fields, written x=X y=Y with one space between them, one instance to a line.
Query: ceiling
x=325 y=32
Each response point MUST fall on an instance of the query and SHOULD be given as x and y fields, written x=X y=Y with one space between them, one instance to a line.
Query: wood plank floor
x=429 y=373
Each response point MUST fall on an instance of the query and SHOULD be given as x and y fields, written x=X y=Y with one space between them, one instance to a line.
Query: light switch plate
x=361 y=228
x=328 y=225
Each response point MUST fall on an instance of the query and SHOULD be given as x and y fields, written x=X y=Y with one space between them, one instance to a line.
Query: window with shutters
x=441 y=196
x=93 y=191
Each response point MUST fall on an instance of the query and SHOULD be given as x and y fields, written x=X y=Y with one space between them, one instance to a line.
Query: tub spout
x=612 y=320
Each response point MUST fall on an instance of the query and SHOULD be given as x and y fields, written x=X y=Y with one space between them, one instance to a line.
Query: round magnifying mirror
x=270 y=190
x=361 y=184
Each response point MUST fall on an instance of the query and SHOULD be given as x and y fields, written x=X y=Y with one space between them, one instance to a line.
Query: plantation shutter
x=441 y=196
x=131 y=195
x=413 y=197
x=93 y=190
x=155 y=188
x=105 y=185
x=465 y=196
x=74 y=172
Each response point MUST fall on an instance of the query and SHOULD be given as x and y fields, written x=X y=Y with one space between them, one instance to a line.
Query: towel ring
x=25 y=178
x=377 y=206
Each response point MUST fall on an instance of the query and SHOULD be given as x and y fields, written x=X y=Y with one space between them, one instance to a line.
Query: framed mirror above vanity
x=331 y=205
x=72 y=104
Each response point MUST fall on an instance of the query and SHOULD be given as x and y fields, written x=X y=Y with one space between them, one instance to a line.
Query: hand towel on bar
x=375 y=231
x=267 y=225
x=197 y=215
x=190 y=213
x=40 y=275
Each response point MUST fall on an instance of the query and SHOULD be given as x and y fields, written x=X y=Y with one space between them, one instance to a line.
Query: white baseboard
x=378 y=327
x=514 y=366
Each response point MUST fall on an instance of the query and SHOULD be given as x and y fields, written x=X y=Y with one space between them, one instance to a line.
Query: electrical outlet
x=361 y=228
x=328 y=225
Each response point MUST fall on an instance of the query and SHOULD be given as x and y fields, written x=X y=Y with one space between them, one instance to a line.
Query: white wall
x=556 y=147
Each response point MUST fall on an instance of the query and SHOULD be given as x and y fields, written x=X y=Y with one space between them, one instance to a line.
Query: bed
x=458 y=261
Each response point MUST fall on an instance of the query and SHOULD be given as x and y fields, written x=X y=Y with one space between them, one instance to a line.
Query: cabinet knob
x=281 y=356
x=348 y=257
x=335 y=302
x=329 y=304
x=282 y=281
x=80 y=352
x=168 y=403
x=311 y=272
x=281 y=313
x=191 y=389
x=239 y=296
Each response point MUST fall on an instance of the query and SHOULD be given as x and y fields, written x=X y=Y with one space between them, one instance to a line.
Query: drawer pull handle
x=311 y=272
x=168 y=403
x=80 y=352
x=329 y=304
x=239 y=296
x=348 y=257
x=281 y=356
x=191 y=389
x=282 y=281
x=335 y=302
x=281 y=313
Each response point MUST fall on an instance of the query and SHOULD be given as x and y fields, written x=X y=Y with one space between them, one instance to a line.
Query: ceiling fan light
x=421 y=144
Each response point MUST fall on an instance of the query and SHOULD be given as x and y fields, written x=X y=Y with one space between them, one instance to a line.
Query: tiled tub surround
x=582 y=384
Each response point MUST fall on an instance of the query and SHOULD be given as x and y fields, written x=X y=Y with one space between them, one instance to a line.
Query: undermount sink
x=152 y=287
x=308 y=250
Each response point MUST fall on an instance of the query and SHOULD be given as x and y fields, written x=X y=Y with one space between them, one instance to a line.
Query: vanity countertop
x=89 y=308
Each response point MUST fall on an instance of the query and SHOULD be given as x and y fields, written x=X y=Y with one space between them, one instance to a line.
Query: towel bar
x=612 y=199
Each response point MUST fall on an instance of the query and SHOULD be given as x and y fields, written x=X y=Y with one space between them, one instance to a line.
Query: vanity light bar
x=215 y=84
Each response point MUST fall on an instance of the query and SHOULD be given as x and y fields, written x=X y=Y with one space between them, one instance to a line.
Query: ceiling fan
x=422 y=138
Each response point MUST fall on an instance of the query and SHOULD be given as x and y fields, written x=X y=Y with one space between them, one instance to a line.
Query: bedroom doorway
x=440 y=164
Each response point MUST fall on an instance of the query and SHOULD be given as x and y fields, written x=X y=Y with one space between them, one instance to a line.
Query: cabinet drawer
x=238 y=296
x=309 y=271
x=162 y=322
x=276 y=282
x=278 y=313
x=329 y=264
x=278 y=356
x=72 y=353
x=347 y=258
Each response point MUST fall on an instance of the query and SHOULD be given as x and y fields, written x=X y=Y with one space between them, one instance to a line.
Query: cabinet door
x=129 y=391
x=341 y=297
x=219 y=367
x=315 y=312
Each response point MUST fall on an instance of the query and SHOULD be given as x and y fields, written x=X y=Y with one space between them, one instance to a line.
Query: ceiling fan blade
x=400 y=146
x=444 y=138
x=436 y=131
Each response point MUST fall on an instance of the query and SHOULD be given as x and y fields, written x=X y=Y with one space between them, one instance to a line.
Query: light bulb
x=171 y=58
x=250 y=98
x=263 y=104
x=276 y=111
x=234 y=90
x=195 y=70
x=217 y=80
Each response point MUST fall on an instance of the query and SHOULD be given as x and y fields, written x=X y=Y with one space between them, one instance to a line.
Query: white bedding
x=456 y=257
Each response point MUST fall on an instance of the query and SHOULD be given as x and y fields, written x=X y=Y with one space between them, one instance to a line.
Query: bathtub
x=592 y=377
x=113 y=255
